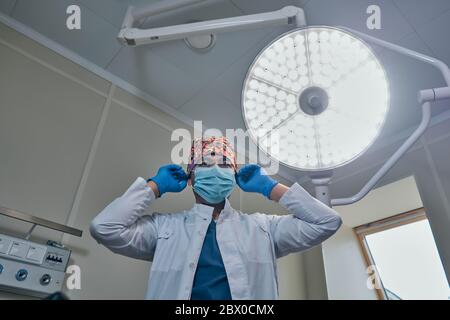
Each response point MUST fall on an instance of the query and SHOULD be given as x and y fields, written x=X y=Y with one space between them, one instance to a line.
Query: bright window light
x=403 y=250
x=322 y=91
x=408 y=262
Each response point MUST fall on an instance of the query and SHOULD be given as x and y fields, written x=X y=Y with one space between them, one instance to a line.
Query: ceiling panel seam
x=435 y=174
x=213 y=80
x=104 y=20
x=11 y=11
x=120 y=49
x=438 y=139
x=236 y=6
x=414 y=28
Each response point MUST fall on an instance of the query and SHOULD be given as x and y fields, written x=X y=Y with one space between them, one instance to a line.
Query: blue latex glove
x=170 y=178
x=253 y=178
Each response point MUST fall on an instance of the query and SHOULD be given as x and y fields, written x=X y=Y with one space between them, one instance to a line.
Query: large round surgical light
x=315 y=98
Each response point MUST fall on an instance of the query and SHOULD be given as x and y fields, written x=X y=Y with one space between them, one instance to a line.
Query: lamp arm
x=425 y=97
x=135 y=36
x=426 y=117
x=441 y=66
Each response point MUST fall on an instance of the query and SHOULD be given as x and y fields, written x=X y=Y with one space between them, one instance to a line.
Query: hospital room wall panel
x=130 y=146
x=48 y=119
x=143 y=108
x=52 y=60
x=47 y=123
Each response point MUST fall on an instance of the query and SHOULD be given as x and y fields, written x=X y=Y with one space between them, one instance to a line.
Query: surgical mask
x=214 y=184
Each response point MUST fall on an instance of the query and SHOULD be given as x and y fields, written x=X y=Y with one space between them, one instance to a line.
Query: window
x=404 y=254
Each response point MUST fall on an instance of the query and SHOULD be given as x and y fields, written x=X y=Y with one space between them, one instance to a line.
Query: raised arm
x=123 y=226
x=309 y=221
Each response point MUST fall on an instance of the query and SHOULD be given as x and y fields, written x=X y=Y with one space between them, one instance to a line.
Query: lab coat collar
x=203 y=210
x=206 y=211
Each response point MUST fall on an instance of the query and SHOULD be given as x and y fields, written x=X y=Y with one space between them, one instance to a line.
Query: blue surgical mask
x=214 y=184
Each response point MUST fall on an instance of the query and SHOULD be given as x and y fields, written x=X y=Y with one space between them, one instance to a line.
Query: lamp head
x=322 y=91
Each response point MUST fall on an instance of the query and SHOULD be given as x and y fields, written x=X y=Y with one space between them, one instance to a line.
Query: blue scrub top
x=210 y=281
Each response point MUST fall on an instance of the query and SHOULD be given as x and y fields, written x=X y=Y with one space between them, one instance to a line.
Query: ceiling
x=207 y=86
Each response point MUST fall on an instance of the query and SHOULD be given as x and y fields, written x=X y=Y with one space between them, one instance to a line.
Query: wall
x=345 y=267
x=71 y=142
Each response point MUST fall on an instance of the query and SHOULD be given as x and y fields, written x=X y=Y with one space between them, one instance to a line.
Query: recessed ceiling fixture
x=201 y=43
x=320 y=89
x=323 y=91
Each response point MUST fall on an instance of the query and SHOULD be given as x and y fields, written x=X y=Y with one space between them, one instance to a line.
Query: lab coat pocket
x=166 y=255
x=165 y=234
x=259 y=245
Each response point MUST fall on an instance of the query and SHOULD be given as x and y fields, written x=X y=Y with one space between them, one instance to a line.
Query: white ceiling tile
x=419 y=12
x=440 y=129
x=409 y=72
x=365 y=163
x=406 y=77
x=96 y=40
x=154 y=75
x=205 y=66
x=6 y=6
x=214 y=111
x=207 y=10
x=111 y=11
x=352 y=13
x=436 y=35
x=229 y=83
x=441 y=153
x=252 y=6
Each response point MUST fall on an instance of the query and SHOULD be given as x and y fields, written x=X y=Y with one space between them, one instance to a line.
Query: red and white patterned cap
x=212 y=150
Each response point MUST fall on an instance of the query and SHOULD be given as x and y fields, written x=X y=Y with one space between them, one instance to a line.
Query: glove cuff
x=269 y=187
x=158 y=184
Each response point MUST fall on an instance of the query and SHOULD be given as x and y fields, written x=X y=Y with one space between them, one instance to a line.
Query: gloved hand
x=170 y=178
x=253 y=178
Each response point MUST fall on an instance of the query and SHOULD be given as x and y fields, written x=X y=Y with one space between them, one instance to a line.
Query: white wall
x=71 y=142
x=345 y=268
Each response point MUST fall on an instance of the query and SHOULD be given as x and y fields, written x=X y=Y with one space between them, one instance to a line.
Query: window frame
x=397 y=220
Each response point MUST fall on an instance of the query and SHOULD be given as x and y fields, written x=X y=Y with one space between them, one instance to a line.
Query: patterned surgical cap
x=213 y=150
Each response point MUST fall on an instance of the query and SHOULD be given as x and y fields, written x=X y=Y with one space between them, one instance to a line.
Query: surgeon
x=212 y=251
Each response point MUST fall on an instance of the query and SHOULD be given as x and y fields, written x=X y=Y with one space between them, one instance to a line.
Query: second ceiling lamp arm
x=132 y=36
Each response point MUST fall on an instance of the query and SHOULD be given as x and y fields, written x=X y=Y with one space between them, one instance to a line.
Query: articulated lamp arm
x=132 y=36
x=425 y=97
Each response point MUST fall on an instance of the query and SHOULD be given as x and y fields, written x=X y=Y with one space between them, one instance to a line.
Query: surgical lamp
x=320 y=89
